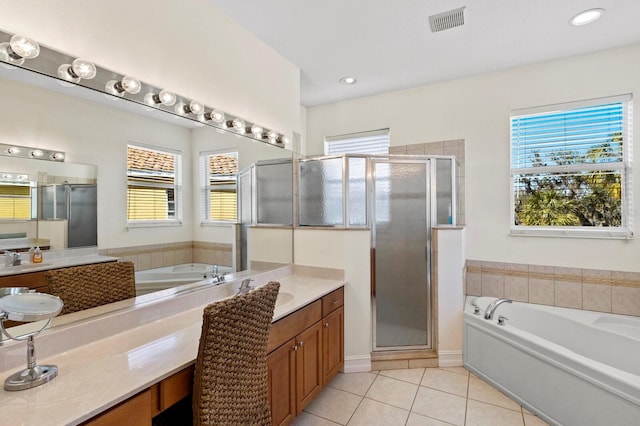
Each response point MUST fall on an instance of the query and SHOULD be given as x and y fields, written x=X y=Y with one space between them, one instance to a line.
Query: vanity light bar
x=29 y=152
x=80 y=71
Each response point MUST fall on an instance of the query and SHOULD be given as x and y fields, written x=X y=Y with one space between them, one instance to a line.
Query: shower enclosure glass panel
x=357 y=190
x=321 y=192
x=401 y=226
x=445 y=206
x=274 y=192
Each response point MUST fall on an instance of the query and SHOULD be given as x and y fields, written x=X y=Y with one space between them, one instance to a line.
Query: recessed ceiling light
x=586 y=17
x=348 y=80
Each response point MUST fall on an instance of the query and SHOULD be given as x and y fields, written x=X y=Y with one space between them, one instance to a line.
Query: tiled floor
x=413 y=397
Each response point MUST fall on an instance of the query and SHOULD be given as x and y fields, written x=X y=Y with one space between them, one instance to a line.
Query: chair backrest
x=230 y=380
x=84 y=287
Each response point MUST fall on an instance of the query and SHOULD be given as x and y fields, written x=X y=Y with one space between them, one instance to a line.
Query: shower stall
x=400 y=199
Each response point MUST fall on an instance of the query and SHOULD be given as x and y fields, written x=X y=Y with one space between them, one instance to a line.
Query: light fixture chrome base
x=30 y=377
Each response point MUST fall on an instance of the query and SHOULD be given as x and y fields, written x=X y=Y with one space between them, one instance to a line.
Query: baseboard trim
x=357 y=364
x=450 y=359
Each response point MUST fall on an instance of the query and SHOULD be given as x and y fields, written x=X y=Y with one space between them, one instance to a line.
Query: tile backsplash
x=589 y=289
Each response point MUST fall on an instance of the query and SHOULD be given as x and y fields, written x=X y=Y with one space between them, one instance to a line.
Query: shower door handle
x=373 y=272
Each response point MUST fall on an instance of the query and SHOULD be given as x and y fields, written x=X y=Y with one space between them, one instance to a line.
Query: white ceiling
x=388 y=44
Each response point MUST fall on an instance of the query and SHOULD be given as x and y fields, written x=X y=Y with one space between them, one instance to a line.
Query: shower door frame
x=429 y=216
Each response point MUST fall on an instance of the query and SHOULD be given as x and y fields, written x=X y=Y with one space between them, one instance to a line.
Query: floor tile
x=481 y=414
x=530 y=420
x=335 y=405
x=440 y=405
x=358 y=383
x=445 y=381
x=459 y=370
x=411 y=375
x=420 y=420
x=374 y=413
x=308 y=419
x=393 y=392
x=482 y=391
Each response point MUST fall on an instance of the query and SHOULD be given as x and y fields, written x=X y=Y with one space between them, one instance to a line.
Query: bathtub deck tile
x=625 y=300
x=517 y=288
x=541 y=291
x=568 y=294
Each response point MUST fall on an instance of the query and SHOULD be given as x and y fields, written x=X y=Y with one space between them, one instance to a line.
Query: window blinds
x=375 y=143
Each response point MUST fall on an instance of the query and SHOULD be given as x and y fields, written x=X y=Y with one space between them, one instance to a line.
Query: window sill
x=153 y=224
x=217 y=223
x=613 y=234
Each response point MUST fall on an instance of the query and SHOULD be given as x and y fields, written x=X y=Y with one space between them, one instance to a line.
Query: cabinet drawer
x=289 y=326
x=176 y=387
x=332 y=301
x=133 y=411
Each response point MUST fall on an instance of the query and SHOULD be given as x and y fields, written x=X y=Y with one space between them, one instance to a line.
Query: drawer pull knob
x=326 y=325
x=295 y=348
x=334 y=302
x=301 y=343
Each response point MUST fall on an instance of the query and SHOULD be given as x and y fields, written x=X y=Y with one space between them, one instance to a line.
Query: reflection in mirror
x=95 y=129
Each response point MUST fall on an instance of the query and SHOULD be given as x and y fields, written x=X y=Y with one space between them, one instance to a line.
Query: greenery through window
x=219 y=182
x=570 y=168
x=153 y=185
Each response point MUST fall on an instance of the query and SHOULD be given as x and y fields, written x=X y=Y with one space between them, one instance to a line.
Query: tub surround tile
x=541 y=291
x=517 y=288
x=144 y=262
x=596 y=297
x=492 y=285
x=625 y=300
x=474 y=283
x=596 y=276
x=568 y=294
x=567 y=274
x=625 y=279
x=374 y=413
x=481 y=414
x=440 y=405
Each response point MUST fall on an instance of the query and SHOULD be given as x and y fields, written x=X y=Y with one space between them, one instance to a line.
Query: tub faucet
x=217 y=277
x=12 y=258
x=488 y=314
x=245 y=287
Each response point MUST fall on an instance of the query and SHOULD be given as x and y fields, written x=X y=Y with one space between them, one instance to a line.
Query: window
x=15 y=197
x=374 y=142
x=218 y=179
x=153 y=186
x=570 y=169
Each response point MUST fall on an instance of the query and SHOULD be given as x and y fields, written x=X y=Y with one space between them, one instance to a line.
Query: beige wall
x=477 y=109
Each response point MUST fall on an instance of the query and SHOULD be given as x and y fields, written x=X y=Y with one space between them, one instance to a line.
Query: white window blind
x=218 y=182
x=570 y=169
x=15 y=201
x=154 y=192
x=374 y=142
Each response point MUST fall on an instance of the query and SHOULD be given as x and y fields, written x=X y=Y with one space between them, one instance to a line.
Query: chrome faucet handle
x=501 y=319
x=476 y=309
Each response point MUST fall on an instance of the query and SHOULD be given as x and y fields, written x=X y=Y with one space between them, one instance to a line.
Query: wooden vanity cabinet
x=302 y=365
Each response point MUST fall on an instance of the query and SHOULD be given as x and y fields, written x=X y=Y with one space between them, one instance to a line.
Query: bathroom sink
x=283 y=298
x=25 y=267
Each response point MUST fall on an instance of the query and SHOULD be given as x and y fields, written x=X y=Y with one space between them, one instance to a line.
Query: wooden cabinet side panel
x=281 y=367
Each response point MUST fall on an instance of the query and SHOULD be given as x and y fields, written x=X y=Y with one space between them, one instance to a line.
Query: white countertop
x=51 y=263
x=96 y=376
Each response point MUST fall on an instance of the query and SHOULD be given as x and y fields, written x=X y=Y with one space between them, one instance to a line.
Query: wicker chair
x=230 y=379
x=84 y=287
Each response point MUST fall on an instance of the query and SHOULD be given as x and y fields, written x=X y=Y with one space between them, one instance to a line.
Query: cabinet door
x=281 y=365
x=332 y=344
x=308 y=365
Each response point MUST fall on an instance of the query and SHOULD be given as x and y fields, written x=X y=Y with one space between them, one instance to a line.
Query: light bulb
x=180 y=108
x=83 y=69
x=256 y=130
x=238 y=125
x=586 y=17
x=37 y=153
x=58 y=156
x=112 y=88
x=13 y=150
x=272 y=136
x=196 y=107
x=24 y=47
x=130 y=84
x=65 y=74
x=167 y=98
x=7 y=56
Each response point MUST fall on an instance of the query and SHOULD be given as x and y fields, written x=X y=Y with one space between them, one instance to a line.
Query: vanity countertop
x=51 y=262
x=96 y=376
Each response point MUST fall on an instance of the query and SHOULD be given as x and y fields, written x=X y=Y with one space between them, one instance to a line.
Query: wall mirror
x=94 y=130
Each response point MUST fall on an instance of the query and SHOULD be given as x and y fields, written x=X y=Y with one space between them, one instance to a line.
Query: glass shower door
x=400 y=257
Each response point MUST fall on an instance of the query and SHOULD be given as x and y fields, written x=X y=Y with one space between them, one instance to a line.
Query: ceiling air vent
x=446 y=20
